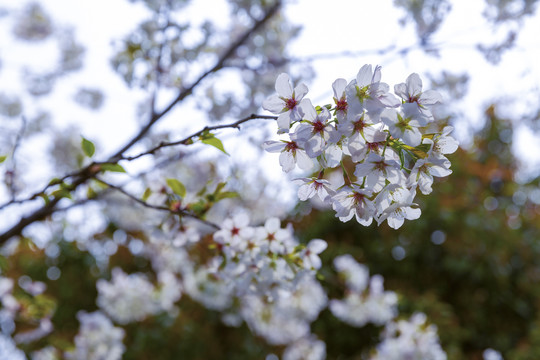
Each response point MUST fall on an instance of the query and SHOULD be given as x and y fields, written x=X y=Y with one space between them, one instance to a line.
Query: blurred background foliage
x=471 y=262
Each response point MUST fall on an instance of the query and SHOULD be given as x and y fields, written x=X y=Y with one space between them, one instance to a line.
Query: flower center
x=291 y=103
x=291 y=146
x=358 y=198
x=341 y=105
x=318 y=127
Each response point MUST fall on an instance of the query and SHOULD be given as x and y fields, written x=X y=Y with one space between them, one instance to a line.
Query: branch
x=187 y=91
x=188 y=139
x=88 y=172
x=179 y=212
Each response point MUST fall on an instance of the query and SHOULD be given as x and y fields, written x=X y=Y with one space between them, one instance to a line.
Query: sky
x=328 y=28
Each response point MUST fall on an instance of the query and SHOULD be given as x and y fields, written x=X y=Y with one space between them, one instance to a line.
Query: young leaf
x=146 y=194
x=88 y=147
x=2 y=158
x=112 y=167
x=210 y=139
x=177 y=187
x=226 y=195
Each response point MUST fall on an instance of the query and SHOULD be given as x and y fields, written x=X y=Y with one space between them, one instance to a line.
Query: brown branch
x=180 y=212
x=189 y=138
x=187 y=91
x=88 y=172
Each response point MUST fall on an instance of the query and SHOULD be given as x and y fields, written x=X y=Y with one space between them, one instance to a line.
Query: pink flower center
x=374 y=146
x=291 y=103
x=413 y=98
x=341 y=105
x=291 y=146
x=360 y=125
x=318 y=127
x=235 y=231
x=358 y=198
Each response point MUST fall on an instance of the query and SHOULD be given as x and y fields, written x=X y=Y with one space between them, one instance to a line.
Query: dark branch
x=83 y=175
x=187 y=91
x=188 y=139
x=180 y=212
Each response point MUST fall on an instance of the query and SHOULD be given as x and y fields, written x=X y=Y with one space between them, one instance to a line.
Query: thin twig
x=189 y=138
x=88 y=172
x=180 y=212
x=187 y=91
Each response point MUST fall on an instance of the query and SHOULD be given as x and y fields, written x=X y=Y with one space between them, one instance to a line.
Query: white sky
x=328 y=27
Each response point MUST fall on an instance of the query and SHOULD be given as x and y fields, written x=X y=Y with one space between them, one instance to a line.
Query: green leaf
x=61 y=193
x=91 y=193
x=210 y=139
x=177 y=187
x=2 y=158
x=112 y=167
x=88 y=147
x=146 y=194
x=226 y=195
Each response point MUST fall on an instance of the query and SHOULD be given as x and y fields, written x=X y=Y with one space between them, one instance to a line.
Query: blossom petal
x=274 y=104
x=300 y=91
x=283 y=86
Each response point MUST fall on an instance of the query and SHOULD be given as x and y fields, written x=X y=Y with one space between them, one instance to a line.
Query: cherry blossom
x=286 y=103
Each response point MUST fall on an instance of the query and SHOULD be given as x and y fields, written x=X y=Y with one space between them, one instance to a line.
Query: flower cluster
x=98 y=338
x=270 y=274
x=132 y=297
x=410 y=339
x=391 y=139
x=361 y=304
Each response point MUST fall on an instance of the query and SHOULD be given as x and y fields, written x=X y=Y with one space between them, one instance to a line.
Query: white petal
x=283 y=86
x=304 y=162
x=274 y=146
x=430 y=97
x=317 y=246
x=284 y=122
x=339 y=87
x=286 y=160
x=272 y=224
x=364 y=76
x=309 y=111
x=300 y=91
x=414 y=84
x=306 y=191
x=274 y=104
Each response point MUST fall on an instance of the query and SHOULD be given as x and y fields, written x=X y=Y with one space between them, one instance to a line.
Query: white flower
x=97 y=339
x=405 y=124
x=307 y=348
x=185 y=235
x=340 y=99
x=360 y=145
x=442 y=143
x=290 y=154
x=367 y=92
x=286 y=103
x=490 y=354
x=127 y=298
x=378 y=169
x=361 y=306
x=424 y=170
x=395 y=204
x=272 y=237
x=315 y=132
x=314 y=186
x=310 y=255
x=8 y=350
x=411 y=92
x=235 y=232
x=356 y=275
x=354 y=201
x=411 y=339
